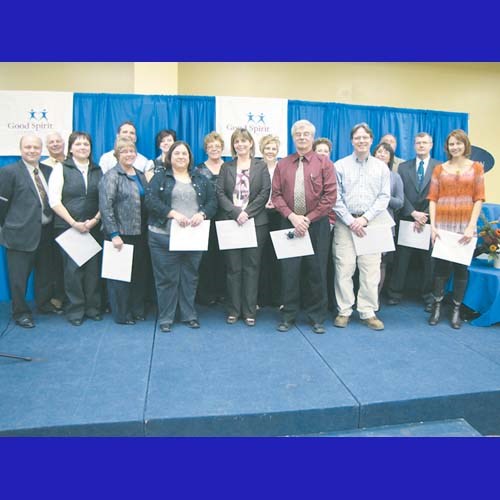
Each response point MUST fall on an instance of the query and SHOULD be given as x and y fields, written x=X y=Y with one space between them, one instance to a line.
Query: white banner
x=259 y=115
x=37 y=113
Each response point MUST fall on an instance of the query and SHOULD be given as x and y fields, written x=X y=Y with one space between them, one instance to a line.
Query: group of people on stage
x=128 y=199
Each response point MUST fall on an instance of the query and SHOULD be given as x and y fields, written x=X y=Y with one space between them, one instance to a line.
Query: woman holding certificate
x=74 y=197
x=121 y=204
x=384 y=152
x=455 y=197
x=177 y=194
x=243 y=189
x=212 y=286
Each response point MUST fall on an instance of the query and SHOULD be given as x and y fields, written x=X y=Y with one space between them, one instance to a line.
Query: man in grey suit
x=26 y=229
x=416 y=175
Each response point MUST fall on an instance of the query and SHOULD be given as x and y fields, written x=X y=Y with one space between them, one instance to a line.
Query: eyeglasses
x=302 y=134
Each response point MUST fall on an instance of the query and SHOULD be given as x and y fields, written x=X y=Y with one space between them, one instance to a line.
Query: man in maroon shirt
x=304 y=192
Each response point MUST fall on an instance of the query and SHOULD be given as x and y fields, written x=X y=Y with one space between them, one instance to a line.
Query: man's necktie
x=43 y=194
x=299 y=195
x=420 y=174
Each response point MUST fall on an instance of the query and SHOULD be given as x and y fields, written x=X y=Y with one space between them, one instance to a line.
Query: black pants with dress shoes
x=242 y=268
x=82 y=286
x=400 y=271
x=127 y=299
x=20 y=265
x=314 y=276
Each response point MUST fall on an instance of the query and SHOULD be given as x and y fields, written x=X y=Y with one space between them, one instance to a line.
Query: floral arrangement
x=489 y=241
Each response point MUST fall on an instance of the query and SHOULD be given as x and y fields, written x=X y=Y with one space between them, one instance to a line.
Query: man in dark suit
x=416 y=175
x=26 y=229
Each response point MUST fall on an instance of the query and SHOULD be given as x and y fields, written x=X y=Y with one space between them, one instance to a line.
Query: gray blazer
x=120 y=202
x=415 y=198
x=260 y=187
x=20 y=207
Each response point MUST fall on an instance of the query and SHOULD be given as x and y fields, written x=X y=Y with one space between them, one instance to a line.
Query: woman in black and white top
x=243 y=189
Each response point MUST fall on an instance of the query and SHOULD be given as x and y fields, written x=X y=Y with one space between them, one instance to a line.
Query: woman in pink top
x=456 y=196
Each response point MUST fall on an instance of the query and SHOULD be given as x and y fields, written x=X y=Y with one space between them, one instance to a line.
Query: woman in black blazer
x=243 y=189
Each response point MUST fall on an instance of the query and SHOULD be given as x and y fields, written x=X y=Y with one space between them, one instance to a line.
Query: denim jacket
x=120 y=202
x=159 y=196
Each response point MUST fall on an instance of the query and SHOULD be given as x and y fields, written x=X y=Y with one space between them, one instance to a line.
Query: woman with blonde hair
x=270 y=272
x=212 y=282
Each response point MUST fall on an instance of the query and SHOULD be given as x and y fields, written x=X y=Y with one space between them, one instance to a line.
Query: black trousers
x=127 y=299
x=314 y=276
x=20 y=264
x=242 y=267
x=82 y=285
x=212 y=274
x=269 y=293
x=400 y=271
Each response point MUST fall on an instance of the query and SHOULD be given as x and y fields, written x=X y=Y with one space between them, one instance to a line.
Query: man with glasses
x=416 y=175
x=364 y=192
x=304 y=191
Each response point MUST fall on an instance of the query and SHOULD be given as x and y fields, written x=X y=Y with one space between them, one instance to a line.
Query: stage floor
x=103 y=379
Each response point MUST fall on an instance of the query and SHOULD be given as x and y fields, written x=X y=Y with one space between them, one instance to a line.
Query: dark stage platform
x=103 y=379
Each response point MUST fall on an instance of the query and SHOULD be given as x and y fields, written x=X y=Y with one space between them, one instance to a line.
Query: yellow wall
x=68 y=77
x=464 y=87
x=471 y=88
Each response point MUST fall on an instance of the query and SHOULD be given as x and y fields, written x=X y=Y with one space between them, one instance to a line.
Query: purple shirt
x=320 y=185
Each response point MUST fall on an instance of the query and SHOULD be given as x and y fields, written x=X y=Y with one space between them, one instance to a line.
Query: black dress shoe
x=393 y=301
x=194 y=323
x=166 y=327
x=284 y=326
x=25 y=322
x=139 y=317
x=318 y=328
x=126 y=322
x=50 y=309
x=428 y=307
x=96 y=317
x=76 y=322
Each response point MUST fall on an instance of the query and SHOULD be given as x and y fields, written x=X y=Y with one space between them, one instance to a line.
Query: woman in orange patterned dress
x=455 y=198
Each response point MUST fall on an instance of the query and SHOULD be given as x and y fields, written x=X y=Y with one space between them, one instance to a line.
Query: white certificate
x=81 y=247
x=378 y=239
x=189 y=239
x=408 y=237
x=383 y=219
x=117 y=264
x=286 y=247
x=447 y=247
x=231 y=235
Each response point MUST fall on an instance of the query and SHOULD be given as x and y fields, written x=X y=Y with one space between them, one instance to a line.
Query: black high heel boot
x=456 y=321
x=439 y=283
x=436 y=311
x=458 y=295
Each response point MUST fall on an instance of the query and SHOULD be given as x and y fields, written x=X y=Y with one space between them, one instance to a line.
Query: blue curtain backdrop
x=335 y=121
x=193 y=117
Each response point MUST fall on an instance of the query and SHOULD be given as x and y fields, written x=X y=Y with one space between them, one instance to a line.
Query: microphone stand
x=13 y=356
